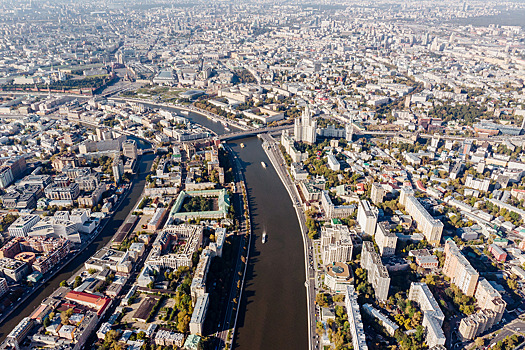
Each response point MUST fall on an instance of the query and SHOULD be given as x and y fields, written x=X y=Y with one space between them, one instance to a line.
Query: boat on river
x=264 y=237
x=242 y=145
x=263 y=164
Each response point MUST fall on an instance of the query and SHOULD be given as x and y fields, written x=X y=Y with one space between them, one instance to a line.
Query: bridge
x=252 y=132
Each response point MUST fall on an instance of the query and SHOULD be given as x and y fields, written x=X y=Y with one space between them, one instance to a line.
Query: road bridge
x=253 y=132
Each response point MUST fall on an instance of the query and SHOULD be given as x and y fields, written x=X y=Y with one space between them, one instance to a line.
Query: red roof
x=95 y=301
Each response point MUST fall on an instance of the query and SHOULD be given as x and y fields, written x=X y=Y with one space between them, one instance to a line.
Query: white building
x=385 y=239
x=366 y=218
x=433 y=317
x=354 y=319
x=22 y=225
x=305 y=128
x=199 y=314
x=336 y=244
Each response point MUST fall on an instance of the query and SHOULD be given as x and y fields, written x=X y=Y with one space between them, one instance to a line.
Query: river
x=273 y=312
x=102 y=239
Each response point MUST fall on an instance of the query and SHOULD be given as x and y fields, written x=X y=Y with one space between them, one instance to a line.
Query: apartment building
x=377 y=194
x=377 y=273
x=459 y=270
x=335 y=211
x=354 y=319
x=336 y=244
x=488 y=298
x=385 y=239
x=430 y=227
x=366 y=218
x=433 y=317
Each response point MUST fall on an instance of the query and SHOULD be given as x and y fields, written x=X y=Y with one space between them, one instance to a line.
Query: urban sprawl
x=397 y=128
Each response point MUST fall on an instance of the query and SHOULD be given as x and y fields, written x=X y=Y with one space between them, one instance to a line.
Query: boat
x=242 y=145
x=184 y=112
x=263 y=164
x=264 y=237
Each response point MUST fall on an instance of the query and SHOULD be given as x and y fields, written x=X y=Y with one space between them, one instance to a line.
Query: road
x=278 y=162
x=225 y=326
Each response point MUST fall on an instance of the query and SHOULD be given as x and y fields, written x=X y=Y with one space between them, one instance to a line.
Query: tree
x=63 y=284
x=78 y=282
x=64 y=316
x=480 y=342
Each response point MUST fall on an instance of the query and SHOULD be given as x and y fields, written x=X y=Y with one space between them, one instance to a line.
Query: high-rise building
x=305 y=128
x=336 y=244
x=377 y=273
x=430 y=227
x=488 y=298
x=433 y=317
x=377 y=194
x=118 y=169
x=354 y=319
x=385 y=240
x=366 y=218
x=459 y=270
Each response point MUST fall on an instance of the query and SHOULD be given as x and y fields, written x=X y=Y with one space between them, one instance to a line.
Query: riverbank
x=128 y=201
x=72 y=256
x=189 y=108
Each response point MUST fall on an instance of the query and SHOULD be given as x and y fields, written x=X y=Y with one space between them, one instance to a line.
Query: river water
x=273 y=311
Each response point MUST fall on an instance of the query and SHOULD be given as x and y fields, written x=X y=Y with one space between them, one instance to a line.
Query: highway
x=278 y=162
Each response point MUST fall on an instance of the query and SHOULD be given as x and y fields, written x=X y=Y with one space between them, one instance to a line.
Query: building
x=389 y=325
x=118 y=169
x=366 y=218
x=198 y=283
x=305 y=128
x=498 y=252
x=488 y=298
x=335 y=211
x=378 y=193
x=338 y=276
x=289 y=146
x=385 y=239
x=477 y=184
x=199 y=314
x=433 y=317
x=430 y=227
x=129 y=149
x=377 y=273
x=12 y=270
x=459 y=270
x=187 y=237
x=169 y=338
x=3 y=286
x=96 y=302
x=22 y=225
x=336 y=243
x=333 y=163
x=354 y=319
x=223 y=204
x=20 y=331
x=424 y=259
